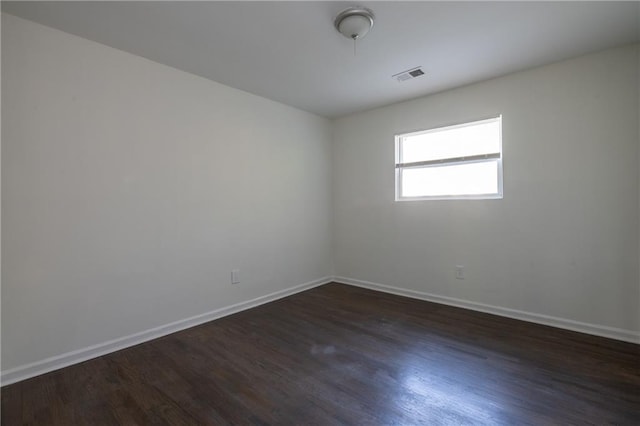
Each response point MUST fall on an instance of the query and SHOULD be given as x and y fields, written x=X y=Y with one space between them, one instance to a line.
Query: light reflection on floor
x=442 y=393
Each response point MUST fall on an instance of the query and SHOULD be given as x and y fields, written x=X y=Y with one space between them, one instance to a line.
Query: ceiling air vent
x=408 y=74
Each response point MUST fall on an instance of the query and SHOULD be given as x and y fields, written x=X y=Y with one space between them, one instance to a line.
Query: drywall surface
x=130 y=190
x=564 y=240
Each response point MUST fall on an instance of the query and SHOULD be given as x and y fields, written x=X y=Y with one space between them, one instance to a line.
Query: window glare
x=462 y=179
x=474 y=139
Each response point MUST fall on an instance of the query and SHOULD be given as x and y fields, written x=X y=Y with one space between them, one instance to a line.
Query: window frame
x=482 y=158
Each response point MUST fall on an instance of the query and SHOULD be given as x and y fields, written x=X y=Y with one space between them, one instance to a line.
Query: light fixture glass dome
x=354 y=22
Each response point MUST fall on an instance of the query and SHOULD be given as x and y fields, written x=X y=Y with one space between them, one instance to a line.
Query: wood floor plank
x=344 y=355
x=11 y=409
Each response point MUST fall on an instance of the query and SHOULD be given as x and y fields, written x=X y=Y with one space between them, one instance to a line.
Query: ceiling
x=291 y=53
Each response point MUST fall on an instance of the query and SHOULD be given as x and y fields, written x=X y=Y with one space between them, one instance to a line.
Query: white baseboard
x=54 y=363
x=60 y=361
x=582 y=327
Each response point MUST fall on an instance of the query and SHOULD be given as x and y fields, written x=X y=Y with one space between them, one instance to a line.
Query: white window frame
x=399 y=165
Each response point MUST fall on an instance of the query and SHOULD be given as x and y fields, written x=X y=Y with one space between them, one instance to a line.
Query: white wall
x=564 y=240
x=131 y=189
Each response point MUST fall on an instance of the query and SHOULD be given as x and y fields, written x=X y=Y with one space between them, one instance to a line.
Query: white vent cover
x=408 y=74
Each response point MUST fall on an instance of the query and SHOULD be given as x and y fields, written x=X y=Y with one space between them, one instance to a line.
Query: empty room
x=320 y=213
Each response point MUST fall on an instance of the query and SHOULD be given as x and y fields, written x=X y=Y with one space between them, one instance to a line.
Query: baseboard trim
x=47 y=365
x=582 y=327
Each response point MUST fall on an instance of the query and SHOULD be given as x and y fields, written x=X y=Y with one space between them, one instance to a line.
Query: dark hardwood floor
x=344 y=355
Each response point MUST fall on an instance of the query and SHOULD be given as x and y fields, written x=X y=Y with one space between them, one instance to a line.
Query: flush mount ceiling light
x=354 y=23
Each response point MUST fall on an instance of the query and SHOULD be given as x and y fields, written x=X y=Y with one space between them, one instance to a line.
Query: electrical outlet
x=459 y=272
x=235 y=276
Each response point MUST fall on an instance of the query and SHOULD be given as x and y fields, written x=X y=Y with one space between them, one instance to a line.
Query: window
x=455 y=162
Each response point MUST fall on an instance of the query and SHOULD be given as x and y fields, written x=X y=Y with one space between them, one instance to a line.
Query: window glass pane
x=461 y=179
x=472 y=139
